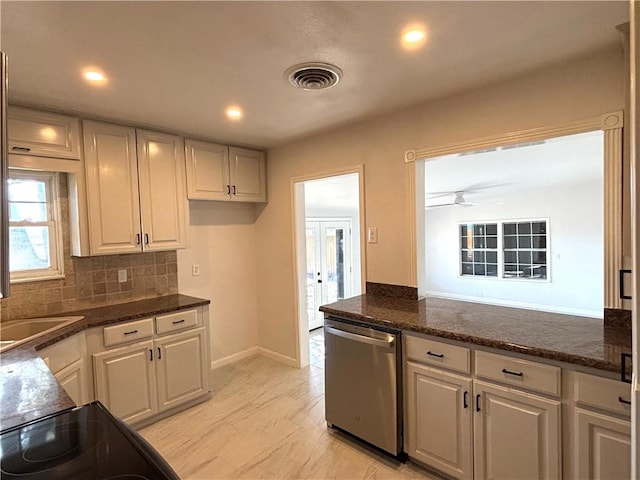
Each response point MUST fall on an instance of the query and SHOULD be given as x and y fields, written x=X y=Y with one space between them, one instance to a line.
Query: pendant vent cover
x=313 y=76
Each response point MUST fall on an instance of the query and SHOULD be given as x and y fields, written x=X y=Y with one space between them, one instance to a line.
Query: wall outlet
x=195 y=269
x=372 y=235
x=122 y=276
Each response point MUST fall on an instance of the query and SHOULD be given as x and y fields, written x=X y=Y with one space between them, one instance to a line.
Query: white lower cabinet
x=140 y=380
x=468 y=428
x=440 y=417
x=516 y=434
x=66 y=360
x=603 y=446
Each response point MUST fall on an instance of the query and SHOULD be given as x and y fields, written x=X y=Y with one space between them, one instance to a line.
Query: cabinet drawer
x=438 y=354
x=602 y=393
x=521 y=373
x=176 y=321
x=43 y=134
x=128 y=332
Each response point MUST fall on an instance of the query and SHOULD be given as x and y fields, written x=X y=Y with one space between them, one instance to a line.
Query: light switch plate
x=195 y=270
x=372 y=235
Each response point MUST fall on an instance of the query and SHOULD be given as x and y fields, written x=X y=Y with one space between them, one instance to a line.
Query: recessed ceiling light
x=414 y=37
x=234 y=113
x=94 y=76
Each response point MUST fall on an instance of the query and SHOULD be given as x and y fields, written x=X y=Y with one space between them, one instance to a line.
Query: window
x=525 y=249
x=479 y=249
x=34 y=228
x=523 y=245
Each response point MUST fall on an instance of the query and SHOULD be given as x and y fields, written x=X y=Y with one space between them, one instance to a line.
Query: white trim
x=235 y=357
x=611 y=124
x=292 y=362
x=300 y=315
x=607 y=121
x=524 y=305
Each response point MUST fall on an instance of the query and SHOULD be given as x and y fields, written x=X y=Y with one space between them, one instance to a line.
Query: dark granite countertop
x=581 y=341
x=28 y=389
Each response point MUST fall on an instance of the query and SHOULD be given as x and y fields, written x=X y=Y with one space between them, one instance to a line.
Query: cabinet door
x=125 y=381
x=43 y=134
x=516 y=434
x=247 y=170
x=162 y=190
x=181 y=368
x=73 y=380
x=439 y=419
x=602 y=446
x=207 y=170
x=112 y=188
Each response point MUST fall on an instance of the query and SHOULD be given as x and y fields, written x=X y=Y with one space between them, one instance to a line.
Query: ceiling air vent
x=313 y=76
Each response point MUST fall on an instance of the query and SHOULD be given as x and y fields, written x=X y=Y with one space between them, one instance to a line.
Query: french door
x=328 y=265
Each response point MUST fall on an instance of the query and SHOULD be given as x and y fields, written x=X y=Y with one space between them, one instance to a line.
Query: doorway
x=328 y=246
x=329 y=269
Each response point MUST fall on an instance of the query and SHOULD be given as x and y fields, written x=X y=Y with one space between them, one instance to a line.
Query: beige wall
x=568 y=92
x=222 y=241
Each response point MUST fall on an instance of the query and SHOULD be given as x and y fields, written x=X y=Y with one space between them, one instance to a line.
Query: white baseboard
x=292 y=362
x=250 y=352
x=523 y=305
x=236 y=357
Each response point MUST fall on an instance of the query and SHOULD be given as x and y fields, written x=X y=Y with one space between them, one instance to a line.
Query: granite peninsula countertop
x=587 y=342
x=28 y=389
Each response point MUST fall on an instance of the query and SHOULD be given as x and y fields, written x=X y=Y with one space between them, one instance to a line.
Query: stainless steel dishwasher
x=362 y=382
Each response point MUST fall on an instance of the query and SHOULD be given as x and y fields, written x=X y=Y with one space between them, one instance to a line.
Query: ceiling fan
x=458 y=201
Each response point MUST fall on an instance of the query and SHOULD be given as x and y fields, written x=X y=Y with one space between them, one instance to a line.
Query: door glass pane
x=311 y=274
x=335 y=239
x=29 y=248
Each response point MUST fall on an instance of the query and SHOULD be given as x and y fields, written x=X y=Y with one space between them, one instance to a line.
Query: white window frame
x=500 y=250
x=56 y=270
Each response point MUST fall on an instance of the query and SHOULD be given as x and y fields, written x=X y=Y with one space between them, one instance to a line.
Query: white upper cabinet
x=247 y=173
x=207 y=170
x=218 y=172
x=43 y=134
x=163 y=201
x=135 y=202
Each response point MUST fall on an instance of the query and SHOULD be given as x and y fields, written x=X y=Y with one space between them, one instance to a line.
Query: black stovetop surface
x=84 y=443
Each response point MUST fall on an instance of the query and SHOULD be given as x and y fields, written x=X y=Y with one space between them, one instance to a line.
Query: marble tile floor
x=266 y=421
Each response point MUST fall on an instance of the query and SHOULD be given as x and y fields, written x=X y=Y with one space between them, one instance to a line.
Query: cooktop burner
x=84 y=443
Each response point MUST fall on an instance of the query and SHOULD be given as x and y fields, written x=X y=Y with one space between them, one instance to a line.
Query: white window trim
x=500 y=249
x=55 y=229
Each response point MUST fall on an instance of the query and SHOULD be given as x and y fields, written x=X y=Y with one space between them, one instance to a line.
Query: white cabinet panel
x=207 y=170
x=516 y=434
x=125 y=381
x=439 y=420
x=43 y=134
x=181 y=368
x=247 y=170
x=112 y=188
x=73 y=380
x=162 y=190
x=603 y=446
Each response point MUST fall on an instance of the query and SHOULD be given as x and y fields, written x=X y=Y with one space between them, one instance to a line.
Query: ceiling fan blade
x=439 y=205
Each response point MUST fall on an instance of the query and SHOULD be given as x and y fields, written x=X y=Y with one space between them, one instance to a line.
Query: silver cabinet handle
x=360 y=338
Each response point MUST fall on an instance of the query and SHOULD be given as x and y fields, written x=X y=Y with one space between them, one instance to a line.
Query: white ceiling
x=332 y=195
x=177 y=65
x=490 y=177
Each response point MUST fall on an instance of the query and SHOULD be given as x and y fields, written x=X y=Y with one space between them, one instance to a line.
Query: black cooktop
x=83 y=443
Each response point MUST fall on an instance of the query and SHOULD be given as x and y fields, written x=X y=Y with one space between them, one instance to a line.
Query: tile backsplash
x=92 y=281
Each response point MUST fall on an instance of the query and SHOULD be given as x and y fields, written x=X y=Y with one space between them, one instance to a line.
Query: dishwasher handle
x=361 y=338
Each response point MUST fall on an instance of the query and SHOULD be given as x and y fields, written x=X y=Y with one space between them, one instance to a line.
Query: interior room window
x=525 y=249
x=34 y=227
x=479 y=249
x=523 y=245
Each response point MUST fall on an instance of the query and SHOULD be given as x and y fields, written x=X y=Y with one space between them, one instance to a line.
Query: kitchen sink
x=17 y=330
